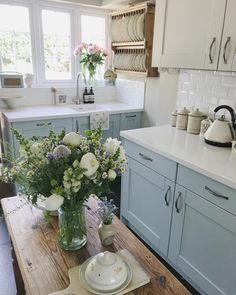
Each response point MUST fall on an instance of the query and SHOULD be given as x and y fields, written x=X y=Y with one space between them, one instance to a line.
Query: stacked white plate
x=127 y=29
x=105 y=274
x=130 y=61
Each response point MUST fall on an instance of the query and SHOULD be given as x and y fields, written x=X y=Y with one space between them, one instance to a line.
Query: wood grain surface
x=44 y=265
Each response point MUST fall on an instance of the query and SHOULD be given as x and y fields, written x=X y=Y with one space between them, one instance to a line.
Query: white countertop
x=65 y=111
x=189 y=150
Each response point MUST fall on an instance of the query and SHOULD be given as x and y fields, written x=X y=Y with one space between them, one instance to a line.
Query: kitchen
x=194 y=53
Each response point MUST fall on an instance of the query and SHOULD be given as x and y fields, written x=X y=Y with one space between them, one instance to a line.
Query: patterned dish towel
x=99 y=119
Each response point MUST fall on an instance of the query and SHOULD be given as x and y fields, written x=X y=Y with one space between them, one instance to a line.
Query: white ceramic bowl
x=106 y=271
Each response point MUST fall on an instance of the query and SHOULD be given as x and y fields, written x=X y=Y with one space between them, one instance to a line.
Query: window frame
x=36 y=32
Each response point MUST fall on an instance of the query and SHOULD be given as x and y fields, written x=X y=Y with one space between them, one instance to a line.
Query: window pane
x=93 y=31
x=57 y=44
x=15 y=42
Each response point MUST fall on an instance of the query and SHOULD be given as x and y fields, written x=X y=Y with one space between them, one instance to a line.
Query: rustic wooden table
x=44 y=266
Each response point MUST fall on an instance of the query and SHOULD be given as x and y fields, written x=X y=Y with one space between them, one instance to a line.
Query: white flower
x=122 y=154
x=89 y=162
x=72 y=138
x=111 y=145
x=61 y=151
x=36 y=149
x=54 y=202
x=111 y=174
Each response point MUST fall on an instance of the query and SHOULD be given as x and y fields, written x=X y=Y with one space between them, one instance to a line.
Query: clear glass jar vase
x=72 y=228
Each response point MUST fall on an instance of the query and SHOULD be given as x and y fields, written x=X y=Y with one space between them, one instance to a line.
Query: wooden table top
x=44 y=265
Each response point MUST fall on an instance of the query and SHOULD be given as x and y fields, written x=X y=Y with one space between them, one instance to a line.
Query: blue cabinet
x=187 y=218
x=147 y=198
x=130 y=121
x=203 y=243
x=39 y=128
x=81 y=124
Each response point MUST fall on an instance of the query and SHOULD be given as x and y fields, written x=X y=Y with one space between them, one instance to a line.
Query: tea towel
x=99 y=119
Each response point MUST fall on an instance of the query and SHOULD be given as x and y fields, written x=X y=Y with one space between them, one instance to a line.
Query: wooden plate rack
x=145 y=45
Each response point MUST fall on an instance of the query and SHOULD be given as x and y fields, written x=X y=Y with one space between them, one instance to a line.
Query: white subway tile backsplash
x=206 y=90
x=220 y=90
x=229 y=80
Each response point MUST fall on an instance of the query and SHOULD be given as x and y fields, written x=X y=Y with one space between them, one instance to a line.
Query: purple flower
x=50 y=157
x=61 y=142
x=61 y=151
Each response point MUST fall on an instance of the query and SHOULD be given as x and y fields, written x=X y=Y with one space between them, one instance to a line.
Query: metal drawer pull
x=177 y=203
x=43 y=124
x=210 y=50
x=166 y=195
x=225 y=48
x=215 y=193
x=145 y=157
x=130 y=116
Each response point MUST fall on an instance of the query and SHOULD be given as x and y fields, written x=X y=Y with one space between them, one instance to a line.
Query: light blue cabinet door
x=203 y=243
x=83 y=123
x=38 y=128
x=146 y=204
x=130 y=121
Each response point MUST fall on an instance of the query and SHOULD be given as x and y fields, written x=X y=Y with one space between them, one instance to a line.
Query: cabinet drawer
x=150 y=159
x=130 y=121
x=214 y=191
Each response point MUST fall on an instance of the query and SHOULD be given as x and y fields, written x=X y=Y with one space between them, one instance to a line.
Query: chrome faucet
x=77 y=99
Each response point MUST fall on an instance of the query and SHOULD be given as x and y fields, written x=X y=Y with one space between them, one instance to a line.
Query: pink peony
x=79 y=48
x=104 y=51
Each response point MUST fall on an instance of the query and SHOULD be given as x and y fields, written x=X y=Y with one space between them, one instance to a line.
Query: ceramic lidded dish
x=106 y=271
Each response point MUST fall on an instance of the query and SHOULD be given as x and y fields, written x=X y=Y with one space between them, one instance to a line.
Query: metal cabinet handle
x=215 y=193
x=77 y=126
x=130 y=116
x=43 y=124
x=225 y=48
x=145 y=157
x=166 y=195
x=210 y=50
x=177 y=203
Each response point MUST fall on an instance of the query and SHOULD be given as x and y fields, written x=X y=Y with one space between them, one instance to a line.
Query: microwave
x=11 y=80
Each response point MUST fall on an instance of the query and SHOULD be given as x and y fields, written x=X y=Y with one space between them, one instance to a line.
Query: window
x=57 y=45
x=93 y=31
x=39 y=37
x=15 y=39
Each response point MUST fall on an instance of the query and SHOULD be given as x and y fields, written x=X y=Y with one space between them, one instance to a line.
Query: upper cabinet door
x=227 y=60
x=187 y=33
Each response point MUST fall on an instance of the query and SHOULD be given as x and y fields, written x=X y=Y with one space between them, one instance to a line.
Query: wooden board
x=44 y=266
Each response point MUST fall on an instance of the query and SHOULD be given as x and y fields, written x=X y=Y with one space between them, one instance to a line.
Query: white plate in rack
x=135 y=27
x=131 y=28
x=140 y=27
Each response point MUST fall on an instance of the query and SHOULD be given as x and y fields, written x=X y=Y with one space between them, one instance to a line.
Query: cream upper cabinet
x=227 y=61
x=187 y=33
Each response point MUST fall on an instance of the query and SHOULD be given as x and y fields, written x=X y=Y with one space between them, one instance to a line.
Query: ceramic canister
x=194 y=121
x=182 y=119
x=173 y=118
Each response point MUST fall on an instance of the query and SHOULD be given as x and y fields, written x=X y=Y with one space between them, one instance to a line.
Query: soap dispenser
x=91 y=95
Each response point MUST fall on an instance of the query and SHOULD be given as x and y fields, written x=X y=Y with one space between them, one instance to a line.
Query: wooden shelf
x=137 y=47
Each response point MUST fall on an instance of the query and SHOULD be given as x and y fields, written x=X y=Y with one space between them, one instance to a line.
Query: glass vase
x=72 y=228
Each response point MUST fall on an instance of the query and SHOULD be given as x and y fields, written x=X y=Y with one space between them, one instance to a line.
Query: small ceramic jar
x=194 y=121
x=173 y=118
x=106 y=233
x=182 y=119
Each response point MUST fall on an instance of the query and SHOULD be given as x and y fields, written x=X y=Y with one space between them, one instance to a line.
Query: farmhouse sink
x=87 y=107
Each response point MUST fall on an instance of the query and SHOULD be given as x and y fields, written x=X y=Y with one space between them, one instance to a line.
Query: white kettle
x=221 y=132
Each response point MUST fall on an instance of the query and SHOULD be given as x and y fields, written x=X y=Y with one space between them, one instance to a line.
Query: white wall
x=160 y=99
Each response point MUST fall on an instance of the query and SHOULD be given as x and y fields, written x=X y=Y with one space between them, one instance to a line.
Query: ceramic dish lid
x=196 y=113
x=106 y=271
